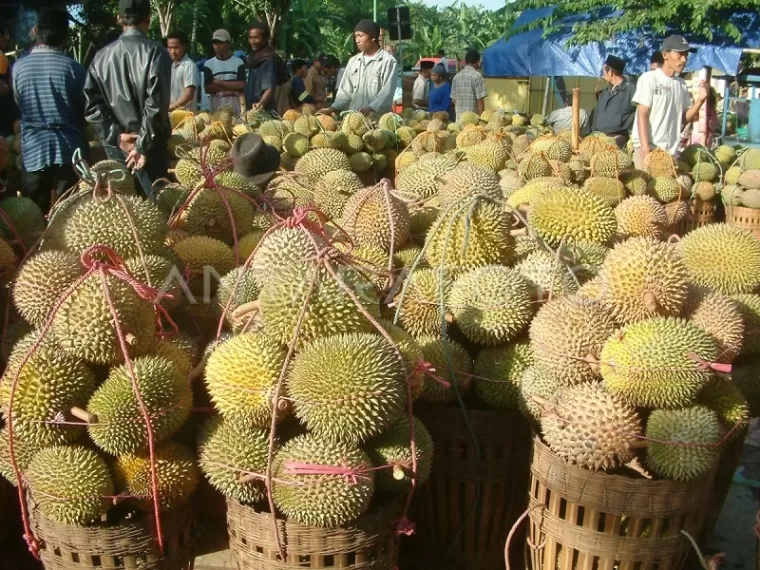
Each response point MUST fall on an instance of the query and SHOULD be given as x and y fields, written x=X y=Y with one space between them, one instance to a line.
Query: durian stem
x=197 y=370
x=248 y=478
x=84 y=415
x=398 y=473
x=172 y=170
x=245 y=310
x=639 y=444
x=449 y=318
x=519 y=232
x=131 y=339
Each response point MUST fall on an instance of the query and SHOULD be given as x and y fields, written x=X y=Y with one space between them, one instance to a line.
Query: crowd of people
x=134 y=82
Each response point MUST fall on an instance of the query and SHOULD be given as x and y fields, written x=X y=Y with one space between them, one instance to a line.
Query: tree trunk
x=165 y=11
x=194 y=35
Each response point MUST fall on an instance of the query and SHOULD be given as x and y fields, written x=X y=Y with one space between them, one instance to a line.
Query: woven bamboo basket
x=747 y=218
x=700 y=214
x=366 y=545
x=466 y=509
x=124 y=546
x=730 y=458
x=582 y=520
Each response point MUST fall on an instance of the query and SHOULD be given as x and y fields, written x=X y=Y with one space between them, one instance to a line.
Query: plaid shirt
x=467 y=87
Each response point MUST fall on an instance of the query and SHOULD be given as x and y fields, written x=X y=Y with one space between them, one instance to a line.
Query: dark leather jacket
x=127 y=91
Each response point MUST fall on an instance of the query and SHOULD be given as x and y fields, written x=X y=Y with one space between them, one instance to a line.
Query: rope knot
x=704 y=365
x=405 y=526
x=429 y=370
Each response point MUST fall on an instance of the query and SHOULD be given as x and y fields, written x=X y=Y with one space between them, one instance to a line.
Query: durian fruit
x=658 y=363
x=241 y=377
x=593 y=145
x=120 y=223
x=585 y=258
x=237 y=288
x=392 y=448
x=198 y=255
x=489 y=154
x=726 y=155
x=727 y=401
x=592 y=428
x=41 y=282
x=360 y=161
x=47 y=386
x=405 y=257
x=180 y=351
x=23 y=453
x=120 y=427
x=535 y=166
x=749 y=159
x=695 y=154
x=370 y=261
x=676 y=211
x=227 y=452
x=320 y=161
x=538 y=389
x=704 y=191
x=635 y=182
x=554 y=148
x=284 y=248
x=546 y=275
x=567 y=336
x=70 y=484
x=176 y=472
x=640 y=216
x=450 y=377
x=349 y=387
x=467 y=180
x=749 y=307
x=491 y=305
x=705 y=172
x=419 y=309
x=610 y=163
x=467 y=238
x=524 y=195
x=731 y=194
x=720 y=316
x=610 y=190
x=329 y=309
x=411 y=352
x=420 y=179
x=660 y=163
x=8 y=262
x=159 y=273
x=665 y=189
x=355 y=123
x=332 y=191
x=84 y=324
x=689 y=437
x=322 y=499
x=212 y=212
x=375 y=217
x=723 y=258
x=497 y=372
x=750 y=199
x=642 y=278
x=25 y=217
x=571 y=215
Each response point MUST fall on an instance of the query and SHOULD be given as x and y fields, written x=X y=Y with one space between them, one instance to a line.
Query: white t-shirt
x=668 y=98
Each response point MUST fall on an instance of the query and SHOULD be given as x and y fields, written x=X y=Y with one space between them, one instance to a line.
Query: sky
x=490 y=4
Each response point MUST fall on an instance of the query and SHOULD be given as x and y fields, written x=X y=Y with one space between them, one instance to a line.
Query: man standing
x=615 y=110
x=421 y=89
x=266 y=71
x=371 y=76
x=299 y=93
x=127 y=96
x=468 y=88
x=664 y=102
x=48 y=87
x=224 y=75
x=562 y=119
x=315 y=80
x=185 y=76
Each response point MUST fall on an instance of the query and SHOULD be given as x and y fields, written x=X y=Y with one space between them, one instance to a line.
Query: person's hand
x=703 y=92
x=366 y=110
x=256 y=106
x=127 y=142
x=173 y=107
x=136 y=161
x=645 y=150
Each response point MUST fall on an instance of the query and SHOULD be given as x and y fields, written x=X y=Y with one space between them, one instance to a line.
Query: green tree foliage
x=696 y=18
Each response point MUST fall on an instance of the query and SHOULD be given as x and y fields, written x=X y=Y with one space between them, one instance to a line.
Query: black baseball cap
x=677 y=43
x=138 y=8
x=614 y=62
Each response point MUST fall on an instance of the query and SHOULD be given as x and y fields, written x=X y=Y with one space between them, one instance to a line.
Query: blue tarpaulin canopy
x=529 y=53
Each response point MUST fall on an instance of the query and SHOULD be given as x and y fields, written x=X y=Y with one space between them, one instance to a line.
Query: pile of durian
x=80 y=438
x=742 y=180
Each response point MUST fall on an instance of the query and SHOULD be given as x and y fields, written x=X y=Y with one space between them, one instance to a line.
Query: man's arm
x=208 y=81
x=189 y=84
x=384 y=98
x=97 y=112
x=692 y=112
x=238 y=85
x=268 y=76
x=642 y=114
x=644 y=98
x=156 y=102
x=480 y=94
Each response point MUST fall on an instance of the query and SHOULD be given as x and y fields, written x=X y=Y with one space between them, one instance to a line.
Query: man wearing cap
x=664 y=102
x=127 y=93
x=468 y=88
x=421 y=89
x=48 y=87
x=369 y=81
x=224 y=75
x=615 y=110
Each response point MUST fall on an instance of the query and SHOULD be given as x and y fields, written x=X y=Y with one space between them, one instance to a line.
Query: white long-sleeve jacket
x=368 y=81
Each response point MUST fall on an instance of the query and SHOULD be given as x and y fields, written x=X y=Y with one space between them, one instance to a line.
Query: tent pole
x=549 y=86
x=576 y=131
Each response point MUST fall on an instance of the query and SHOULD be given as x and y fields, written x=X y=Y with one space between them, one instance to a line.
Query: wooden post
x=576 y=132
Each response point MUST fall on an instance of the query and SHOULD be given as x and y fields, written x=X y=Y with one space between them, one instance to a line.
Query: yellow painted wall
x=527 y=94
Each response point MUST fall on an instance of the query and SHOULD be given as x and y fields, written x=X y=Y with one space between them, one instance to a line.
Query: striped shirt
x=230 y=69
x=49 y=89
x=185 y=74
x=467 y=87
